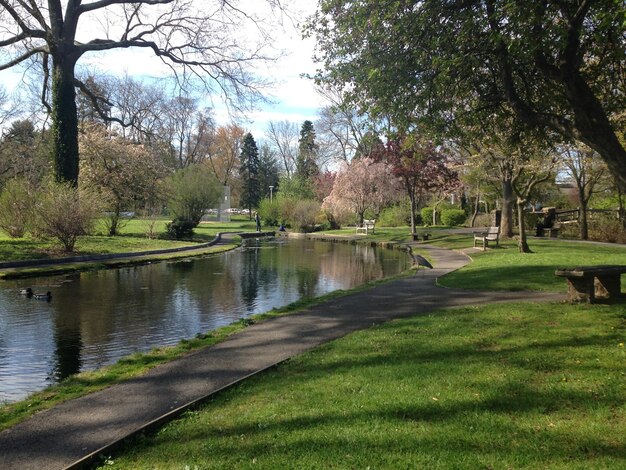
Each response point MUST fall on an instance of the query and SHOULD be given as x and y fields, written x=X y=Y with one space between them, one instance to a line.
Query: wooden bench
x=368 y=224
x=552 y=232
x=589 y=283
x=416 y=236
x=491 y=235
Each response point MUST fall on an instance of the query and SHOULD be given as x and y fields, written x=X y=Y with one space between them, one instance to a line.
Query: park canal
x=95 y=318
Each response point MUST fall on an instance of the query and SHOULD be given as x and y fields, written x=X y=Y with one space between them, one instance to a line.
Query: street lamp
x=271 y=193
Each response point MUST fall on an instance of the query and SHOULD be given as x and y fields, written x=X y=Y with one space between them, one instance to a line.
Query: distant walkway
x=73 y=431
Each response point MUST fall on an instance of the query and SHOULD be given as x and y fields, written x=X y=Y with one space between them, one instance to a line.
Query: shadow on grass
x=377 y=402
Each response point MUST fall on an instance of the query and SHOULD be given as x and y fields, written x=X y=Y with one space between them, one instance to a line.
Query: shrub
x=304 y=215
x=483 y=220
x=181 y=228
x=64 y=212
x=192 y=190
x=453 y=217
x=427 y=215
x=395 y=216
x=269 y=211
x=16 y=207
x=607 y=229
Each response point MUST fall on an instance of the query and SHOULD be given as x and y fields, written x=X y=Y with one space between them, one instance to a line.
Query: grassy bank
x=505 y=268
x=132 y=238
x=507 y=386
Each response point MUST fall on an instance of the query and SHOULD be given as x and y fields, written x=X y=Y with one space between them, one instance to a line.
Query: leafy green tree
x=306 y=162
x=192 y=190
x=556 y=65
x=249 y=173
x=296 y=188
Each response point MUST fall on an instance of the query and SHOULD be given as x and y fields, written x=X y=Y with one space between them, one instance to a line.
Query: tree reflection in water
x=97 y=317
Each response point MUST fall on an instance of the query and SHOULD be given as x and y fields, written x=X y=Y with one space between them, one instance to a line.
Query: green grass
x=505 y=268
x=131 y=238
x=501 y=386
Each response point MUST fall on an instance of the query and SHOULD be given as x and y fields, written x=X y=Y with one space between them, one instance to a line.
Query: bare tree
x=342 y=131
x=195 y=39
x=283 y=137
x=8 y=110
x=587 y=170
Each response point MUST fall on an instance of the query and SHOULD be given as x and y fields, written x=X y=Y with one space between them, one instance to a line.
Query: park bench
x=366 y=226
x=552 y=232
x=491 y=235
x=416 y=236
x=589 y=283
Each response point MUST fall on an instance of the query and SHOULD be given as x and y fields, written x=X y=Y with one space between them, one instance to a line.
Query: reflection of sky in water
x=97 y=317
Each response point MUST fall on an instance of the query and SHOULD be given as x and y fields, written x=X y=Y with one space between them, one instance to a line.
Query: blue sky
x=293 y=97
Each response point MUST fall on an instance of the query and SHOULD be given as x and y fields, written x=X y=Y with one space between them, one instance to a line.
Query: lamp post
x=271 y=193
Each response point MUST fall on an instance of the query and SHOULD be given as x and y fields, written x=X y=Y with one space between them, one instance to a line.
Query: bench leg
x=607 y=287
x=581 y=289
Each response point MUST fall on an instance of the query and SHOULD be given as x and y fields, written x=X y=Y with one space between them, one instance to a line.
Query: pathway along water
x=96 y=317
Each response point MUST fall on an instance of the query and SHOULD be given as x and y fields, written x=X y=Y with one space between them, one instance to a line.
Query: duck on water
x=28 y=292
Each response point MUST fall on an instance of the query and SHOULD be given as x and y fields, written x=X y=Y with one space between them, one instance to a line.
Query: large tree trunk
x=594 y=127
x=64 y=121
x=508 y=200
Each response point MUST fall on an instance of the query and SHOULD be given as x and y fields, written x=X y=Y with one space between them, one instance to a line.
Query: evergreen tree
x=268 y=171
x=249 y=172
x=306 y=165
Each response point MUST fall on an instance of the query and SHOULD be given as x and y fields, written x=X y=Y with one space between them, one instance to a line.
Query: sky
x=293 y=97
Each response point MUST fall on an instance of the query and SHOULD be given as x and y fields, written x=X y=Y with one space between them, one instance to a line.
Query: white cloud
x=294 y=96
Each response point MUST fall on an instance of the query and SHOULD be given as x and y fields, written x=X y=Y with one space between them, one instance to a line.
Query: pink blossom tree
x=359 y=186
x=421 y=168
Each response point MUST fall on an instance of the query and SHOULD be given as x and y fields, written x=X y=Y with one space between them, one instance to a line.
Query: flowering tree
x=124 y=174
x=364 y=184
x=421 y=168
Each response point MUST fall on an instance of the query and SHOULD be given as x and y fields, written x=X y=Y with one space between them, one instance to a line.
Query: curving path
x=73 y=433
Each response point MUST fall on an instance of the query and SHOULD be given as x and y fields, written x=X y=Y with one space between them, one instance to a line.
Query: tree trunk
x=508 y=200
x=475 y=213
x=594 y=127
x=64 y=121
x=413 y=209
x=523 y=243
x=582 y=219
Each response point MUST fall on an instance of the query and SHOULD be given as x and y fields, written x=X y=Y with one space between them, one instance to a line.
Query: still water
x=95 y=318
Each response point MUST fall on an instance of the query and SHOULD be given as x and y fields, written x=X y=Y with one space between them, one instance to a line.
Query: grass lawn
x=506 y=268
x=506 y=386
x=131 y=238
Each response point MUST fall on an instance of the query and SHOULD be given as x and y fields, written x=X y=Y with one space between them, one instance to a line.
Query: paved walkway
x=67 y=434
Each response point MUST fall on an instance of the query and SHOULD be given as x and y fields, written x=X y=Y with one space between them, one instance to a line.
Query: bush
x=16 y=207
x=64 y=212
x=606 y=229
x=269 y=211
x=180 y=228
x=304 y=215
x=395 y=216
x=453 y=217
x=192 y=190
x=427 y=215
x=482 y=220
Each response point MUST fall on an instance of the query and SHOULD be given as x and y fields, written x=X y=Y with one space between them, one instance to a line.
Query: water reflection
x=97 y=317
